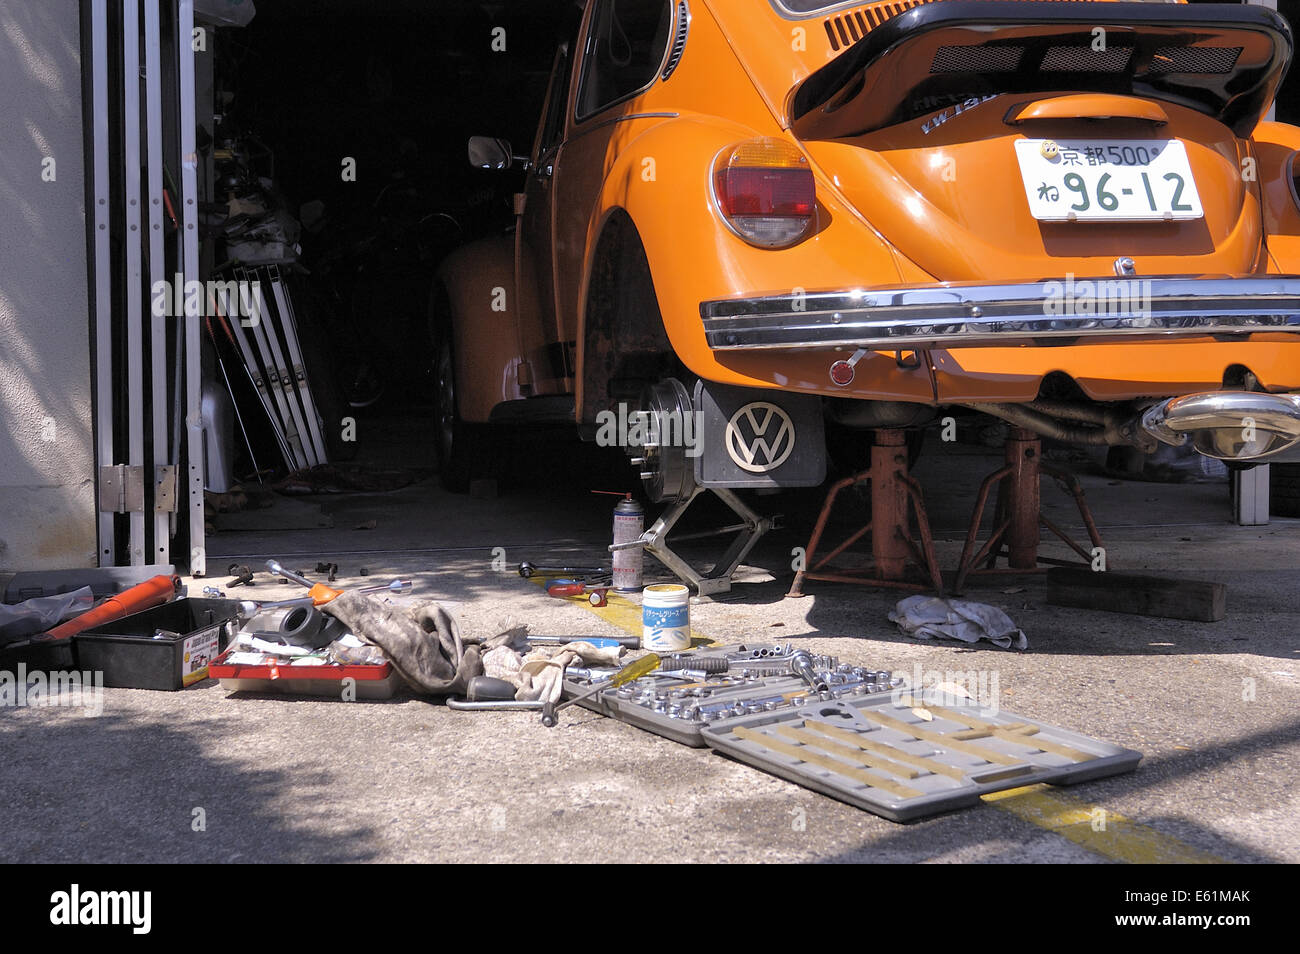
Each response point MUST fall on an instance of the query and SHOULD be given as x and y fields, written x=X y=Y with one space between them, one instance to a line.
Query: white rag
x=539 y=675
x=933 y=617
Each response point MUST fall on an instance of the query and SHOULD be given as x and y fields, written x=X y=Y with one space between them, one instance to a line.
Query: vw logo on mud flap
x=759 y=437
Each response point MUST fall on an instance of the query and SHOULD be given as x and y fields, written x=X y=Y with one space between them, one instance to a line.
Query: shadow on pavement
x=107 y=789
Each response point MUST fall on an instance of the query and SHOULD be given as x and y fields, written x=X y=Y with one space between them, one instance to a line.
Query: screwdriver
x=633 y=670
x=322 y=594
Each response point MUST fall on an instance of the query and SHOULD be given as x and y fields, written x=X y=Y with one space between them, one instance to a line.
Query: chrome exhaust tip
x=1245 y=426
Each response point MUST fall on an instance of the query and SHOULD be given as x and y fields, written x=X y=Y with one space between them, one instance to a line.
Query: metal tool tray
x=877 y=753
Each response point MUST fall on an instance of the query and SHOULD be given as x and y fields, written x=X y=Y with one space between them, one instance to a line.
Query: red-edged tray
x=371 y=682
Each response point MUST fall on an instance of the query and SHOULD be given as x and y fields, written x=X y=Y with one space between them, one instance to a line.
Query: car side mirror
x=487 y=152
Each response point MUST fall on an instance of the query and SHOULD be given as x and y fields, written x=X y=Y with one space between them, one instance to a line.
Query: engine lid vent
x=845 y=29
x=679 y=39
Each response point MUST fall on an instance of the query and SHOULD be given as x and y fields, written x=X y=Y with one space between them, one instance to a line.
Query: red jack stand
x=891 y=542
x=1019 y=513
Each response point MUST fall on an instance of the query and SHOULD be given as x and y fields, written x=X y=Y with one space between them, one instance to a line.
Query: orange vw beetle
x=750 y=217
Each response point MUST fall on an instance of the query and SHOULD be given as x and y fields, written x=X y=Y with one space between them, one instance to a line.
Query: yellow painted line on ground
x=621 y=612
x=1119 y=838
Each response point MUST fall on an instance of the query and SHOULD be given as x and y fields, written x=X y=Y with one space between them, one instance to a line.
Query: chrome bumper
x=955 y=316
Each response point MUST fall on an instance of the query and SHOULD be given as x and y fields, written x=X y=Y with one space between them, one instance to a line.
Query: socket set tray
x=869 y=742
x=758 y=679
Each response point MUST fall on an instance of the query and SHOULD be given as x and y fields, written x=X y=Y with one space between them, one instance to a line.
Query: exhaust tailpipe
x=1244 y=426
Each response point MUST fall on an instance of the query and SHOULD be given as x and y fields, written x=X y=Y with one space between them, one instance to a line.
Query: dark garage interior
x=399 y=87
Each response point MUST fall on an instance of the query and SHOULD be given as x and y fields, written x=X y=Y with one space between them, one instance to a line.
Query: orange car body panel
x=897 y=206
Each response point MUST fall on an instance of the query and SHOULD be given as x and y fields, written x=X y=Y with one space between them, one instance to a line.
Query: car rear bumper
x=955 y=316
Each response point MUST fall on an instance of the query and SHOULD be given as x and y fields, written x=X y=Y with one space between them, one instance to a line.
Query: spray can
x=629 y=522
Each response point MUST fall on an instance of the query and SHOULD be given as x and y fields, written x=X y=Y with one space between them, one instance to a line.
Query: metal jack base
x=1018 y=514
x=892 y=489
x=718 y=579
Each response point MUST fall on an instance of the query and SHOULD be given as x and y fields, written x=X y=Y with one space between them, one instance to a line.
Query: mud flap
x=758 y=438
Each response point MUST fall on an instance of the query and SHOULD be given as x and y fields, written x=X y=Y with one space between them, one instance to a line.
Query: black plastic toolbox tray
x=878 y=753
x=129 y=656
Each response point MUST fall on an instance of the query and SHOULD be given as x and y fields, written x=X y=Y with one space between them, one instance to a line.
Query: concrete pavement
x=1211 y=705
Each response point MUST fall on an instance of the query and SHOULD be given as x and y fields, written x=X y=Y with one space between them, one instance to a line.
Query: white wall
x=47 y=509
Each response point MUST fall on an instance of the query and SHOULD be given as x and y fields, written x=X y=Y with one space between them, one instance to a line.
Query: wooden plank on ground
x=1140 y=595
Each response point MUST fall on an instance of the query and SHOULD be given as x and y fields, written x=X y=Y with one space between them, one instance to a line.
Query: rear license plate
x=1108 y=180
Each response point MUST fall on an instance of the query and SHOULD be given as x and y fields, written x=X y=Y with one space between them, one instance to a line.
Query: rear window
x=802 y=8
x=805 y=8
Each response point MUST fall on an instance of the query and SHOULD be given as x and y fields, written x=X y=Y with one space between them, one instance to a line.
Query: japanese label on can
x=666 y=617
x=665 y=628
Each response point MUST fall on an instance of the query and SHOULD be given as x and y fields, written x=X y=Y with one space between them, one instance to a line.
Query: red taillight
x=765 y=191
x=756 y=191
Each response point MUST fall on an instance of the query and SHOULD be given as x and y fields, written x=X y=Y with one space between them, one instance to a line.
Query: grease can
x=666 y=617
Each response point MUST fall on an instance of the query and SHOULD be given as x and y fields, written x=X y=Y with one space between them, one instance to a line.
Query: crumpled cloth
x=539 y=675
x=934 y=617
x=421 y=640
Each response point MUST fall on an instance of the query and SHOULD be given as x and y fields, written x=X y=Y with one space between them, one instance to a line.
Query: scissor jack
x=892 y=489
x=1019 y=512
x=718 y=578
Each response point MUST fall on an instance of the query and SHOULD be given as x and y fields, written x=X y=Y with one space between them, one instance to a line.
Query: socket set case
x=873 y=744
x=763 y=682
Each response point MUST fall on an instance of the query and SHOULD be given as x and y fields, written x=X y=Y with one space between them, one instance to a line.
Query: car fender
x=478 y=281
x=1271 y=147
x=693 y=256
